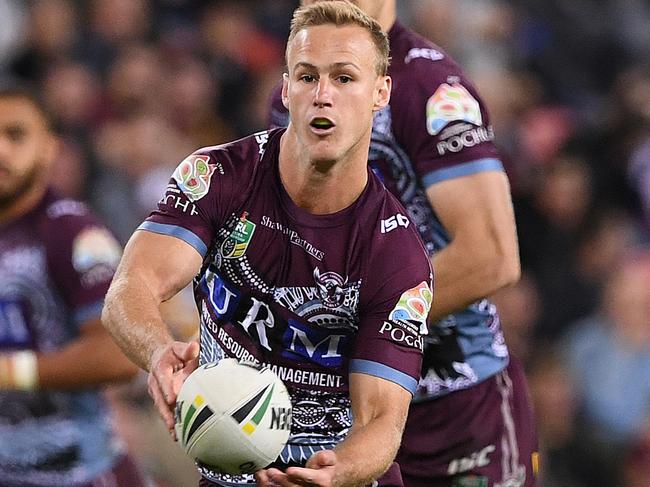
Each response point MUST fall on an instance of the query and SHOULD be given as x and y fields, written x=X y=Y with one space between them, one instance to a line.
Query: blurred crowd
x=135 y=85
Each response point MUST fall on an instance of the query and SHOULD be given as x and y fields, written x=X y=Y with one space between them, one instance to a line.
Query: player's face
x=26 y=147
x=332 y=89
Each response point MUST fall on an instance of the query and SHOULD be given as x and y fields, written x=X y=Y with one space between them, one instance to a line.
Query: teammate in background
x=305 y=263
x=56 y=263
x=471 y=420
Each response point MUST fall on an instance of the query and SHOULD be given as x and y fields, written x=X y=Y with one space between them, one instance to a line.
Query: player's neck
x=321 y=189
x=387 y=17
x=22 y=203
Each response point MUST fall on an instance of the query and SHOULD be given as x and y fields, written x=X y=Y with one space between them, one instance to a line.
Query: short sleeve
x=82 y=256
x=442 y=123
x=396 y=301
x=200 y=195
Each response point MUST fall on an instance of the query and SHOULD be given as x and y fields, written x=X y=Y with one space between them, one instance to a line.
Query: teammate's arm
x=153 y=269
x=90 y=360
x=379 y=408
x=483 y=255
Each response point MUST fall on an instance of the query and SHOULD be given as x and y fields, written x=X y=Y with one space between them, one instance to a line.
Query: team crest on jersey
x=414 y=304
x=331 y=288
x=449 y=103
x=332 y=303
x=94 y=246
x=193 y=176
x=237 y=242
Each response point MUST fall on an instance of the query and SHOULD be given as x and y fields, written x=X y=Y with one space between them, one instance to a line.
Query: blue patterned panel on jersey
x=319 y=345
x=223 y=297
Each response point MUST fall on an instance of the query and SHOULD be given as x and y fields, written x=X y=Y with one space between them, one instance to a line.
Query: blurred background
x=135 y=85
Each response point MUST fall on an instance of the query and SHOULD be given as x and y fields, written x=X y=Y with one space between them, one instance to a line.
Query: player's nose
x=323 y=94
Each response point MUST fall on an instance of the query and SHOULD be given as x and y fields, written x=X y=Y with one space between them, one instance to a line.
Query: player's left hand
x=318 y=472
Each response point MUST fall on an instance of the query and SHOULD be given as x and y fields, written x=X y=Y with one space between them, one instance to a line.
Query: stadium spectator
x=608 y=357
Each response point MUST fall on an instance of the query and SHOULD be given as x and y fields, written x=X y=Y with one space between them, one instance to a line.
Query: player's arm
x=379 y=408
x=153 y=269
x=90 y=360
x=483 y=254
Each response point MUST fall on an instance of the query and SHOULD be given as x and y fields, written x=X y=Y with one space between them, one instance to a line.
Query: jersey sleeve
x=396 y=299
x=442 y=123
x=82 y=256
x=203 y=190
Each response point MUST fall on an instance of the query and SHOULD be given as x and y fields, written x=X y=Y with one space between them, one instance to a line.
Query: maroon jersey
x=435 y=128
x=56 y=263
x=314 y=297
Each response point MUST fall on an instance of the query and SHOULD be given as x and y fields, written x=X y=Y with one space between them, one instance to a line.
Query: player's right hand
x=170 y=366
x=319 y=471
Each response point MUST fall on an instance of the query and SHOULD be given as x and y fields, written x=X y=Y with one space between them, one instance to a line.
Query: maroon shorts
x=478 y=437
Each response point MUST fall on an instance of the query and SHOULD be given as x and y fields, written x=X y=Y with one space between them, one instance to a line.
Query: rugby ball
x=233 y=417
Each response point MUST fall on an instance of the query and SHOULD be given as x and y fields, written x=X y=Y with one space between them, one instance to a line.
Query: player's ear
x=50 y=149
x=383 y=86
x=285 y=90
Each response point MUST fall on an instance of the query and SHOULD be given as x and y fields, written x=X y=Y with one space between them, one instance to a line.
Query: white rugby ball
x=233 y=417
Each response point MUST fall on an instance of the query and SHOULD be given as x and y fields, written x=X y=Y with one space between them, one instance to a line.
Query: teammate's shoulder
x=67 y=221
x=420 y=57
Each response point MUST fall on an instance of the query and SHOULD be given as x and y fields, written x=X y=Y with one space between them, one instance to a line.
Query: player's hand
x=170 y=366
x=318 y=472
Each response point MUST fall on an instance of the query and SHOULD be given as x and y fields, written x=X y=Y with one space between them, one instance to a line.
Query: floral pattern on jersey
x=450 y=103
x=193 y=176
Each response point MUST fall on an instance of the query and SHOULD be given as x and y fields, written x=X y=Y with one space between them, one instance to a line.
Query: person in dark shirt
x=304 y=263
x=56 y=263
x=432 y=147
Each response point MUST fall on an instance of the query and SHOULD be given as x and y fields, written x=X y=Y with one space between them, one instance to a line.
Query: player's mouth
x=321 y=125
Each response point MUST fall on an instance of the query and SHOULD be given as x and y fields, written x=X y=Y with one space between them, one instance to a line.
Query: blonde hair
x=341 y=13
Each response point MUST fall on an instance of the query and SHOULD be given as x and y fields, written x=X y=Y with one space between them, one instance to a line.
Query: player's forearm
x=132 y=316
x=87 y=362
x=465 y=273
x=368 y=451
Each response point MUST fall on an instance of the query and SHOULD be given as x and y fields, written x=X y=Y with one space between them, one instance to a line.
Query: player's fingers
x=275 y=478
x=263 y=480
x=163 y=367
x=161 y=404
x=321 y=459
x=308 y=477
x=187 y=352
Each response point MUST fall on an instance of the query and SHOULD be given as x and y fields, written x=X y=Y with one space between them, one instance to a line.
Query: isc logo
x=475 y=460
x=391 y=223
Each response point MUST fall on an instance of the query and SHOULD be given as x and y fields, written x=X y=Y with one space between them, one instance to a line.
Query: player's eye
x=307 y=78
x=15 y=134
x=344 y=79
